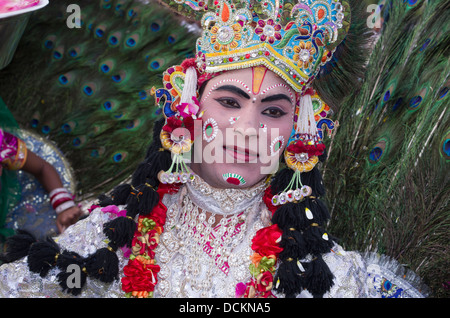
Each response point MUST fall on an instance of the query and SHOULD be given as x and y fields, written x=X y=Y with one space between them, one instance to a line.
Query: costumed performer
x=212 y=212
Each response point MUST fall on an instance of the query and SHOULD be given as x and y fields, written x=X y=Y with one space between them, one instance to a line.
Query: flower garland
x=140 y=274
x=264 y=258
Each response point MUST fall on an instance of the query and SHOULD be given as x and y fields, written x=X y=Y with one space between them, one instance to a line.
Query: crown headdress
x=292 y=46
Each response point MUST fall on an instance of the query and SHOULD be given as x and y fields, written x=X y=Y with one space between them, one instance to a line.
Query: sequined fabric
x=84 y=237
x=356 y=275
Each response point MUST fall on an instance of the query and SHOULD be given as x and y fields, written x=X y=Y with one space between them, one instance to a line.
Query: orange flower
x=304 y=54
x=255 y=258
x=225 y=37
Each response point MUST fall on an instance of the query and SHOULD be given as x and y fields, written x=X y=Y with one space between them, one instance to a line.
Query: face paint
x=225 y=81
x=240 y=146
x=210 y=130
x=233 y=178
x=280 y=85
x=258 y=74
x=263 y=127
x=276 y=145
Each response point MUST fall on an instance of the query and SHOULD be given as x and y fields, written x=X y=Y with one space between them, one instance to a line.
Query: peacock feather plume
x=87 y=88
x=387 y=170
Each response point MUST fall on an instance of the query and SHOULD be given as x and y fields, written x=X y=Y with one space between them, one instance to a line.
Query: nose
x=247 y=125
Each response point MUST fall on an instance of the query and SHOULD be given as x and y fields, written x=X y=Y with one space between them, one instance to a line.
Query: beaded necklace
x=141 y=272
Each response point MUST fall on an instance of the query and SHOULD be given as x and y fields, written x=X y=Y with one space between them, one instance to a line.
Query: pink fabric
x=8 y=146
x=15 y=5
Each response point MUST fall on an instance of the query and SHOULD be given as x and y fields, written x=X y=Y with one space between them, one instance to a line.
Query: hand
x=67 y=218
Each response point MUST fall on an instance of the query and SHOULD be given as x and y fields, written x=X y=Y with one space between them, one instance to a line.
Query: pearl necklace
x=208 y=248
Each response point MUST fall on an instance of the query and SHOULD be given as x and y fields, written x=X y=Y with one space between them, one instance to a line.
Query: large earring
x=181 y=112
x=302 y=153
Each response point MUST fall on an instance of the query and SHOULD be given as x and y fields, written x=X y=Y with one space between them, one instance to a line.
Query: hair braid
x=303 y=237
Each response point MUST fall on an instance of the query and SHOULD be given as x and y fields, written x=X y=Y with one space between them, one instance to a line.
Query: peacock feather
x=387 y=169
x=88 y=88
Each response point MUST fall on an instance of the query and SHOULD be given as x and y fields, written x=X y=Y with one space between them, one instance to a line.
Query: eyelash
x=226 y=102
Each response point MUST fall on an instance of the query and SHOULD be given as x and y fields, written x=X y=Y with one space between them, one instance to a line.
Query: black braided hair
x=303 y=237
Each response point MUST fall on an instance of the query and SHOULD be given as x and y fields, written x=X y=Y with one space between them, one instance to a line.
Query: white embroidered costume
x=191 y=266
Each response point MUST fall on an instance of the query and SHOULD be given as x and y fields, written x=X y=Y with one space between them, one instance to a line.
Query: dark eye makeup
x=228 y=102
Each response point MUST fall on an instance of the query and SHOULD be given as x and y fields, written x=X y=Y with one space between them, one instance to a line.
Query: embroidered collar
x=224 y=201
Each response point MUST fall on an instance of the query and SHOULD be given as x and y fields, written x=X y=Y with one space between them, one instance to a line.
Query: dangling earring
x=302 y=153
x=177 y=134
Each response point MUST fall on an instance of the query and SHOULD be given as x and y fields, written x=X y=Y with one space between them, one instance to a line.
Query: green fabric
x=10 y=188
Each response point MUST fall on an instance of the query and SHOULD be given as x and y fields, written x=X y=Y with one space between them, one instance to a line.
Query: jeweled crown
x=260 y=33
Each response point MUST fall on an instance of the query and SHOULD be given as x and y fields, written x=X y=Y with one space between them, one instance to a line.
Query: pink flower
x=114 y=210
x=188 y=109
x=268 y=31
x=240 y=290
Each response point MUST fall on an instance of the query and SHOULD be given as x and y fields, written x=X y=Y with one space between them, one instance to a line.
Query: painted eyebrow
x=233 y=89
x=276 y=97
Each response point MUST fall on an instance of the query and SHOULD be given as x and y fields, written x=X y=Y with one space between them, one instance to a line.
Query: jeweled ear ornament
x=173 y=139
x=177 y=135
x=301 y=154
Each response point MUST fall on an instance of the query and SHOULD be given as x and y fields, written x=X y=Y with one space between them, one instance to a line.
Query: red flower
x=153 y=239
x=137 y=242
x=265 y=241
x=158 y=214
x=139 y=277
x=172 y=123
x=267 y=199
x=264 y=282
x=300 y=146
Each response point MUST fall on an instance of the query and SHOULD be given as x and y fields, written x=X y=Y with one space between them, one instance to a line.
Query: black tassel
x=42 y=256
x=133 y=202
x=316 y=241
x=293 y=245
x=281 y=179
x=313 y=179
x=103 y=265
x=148 y=199
x=159 y=160
x=318 y=278
x=73 y=274
x=104 y=200
x=320 y=212
x=120 y=230
x=120 y=194
x=143 y=170
x=290 y=215
x=17 y=246
x=288 y=279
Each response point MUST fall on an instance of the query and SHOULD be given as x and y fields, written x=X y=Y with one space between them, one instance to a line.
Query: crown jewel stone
x=304 y=55
x=225 y=34
x=269 y=30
